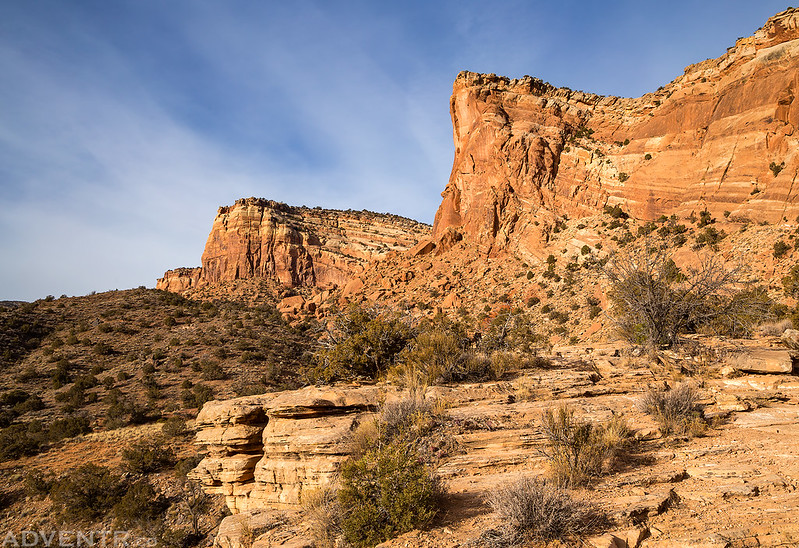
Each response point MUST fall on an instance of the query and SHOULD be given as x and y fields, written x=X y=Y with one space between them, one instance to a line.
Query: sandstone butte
x=528 y=155
x=297 y=246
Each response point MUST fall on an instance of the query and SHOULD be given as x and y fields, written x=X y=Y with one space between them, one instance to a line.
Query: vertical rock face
x=721 y=136
x=179 y=280
x=264 y=451
x=298 y=246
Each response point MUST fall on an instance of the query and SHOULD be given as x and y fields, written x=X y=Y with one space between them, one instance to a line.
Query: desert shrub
x=174 y=427
x=102 y=349
x=68 y=427
x=616 y=212
x=775 y=328
x=677 y=411
x=510 y=330
x=776 y=168
x=705 y=218
x=532 y=510
x=17 y=441
x=212 y=371
x=20 y=402
x=184 y=466
x=623 y=177
x=709 y=237
x=578 y=450
x=148 y=456
x=654 y=301
x=61 y=375
x=740 y=313
x=790 y=283
x=37 y=484
x=780 y=249
x=433 y=356
x=86 y=493
x=141 y=504
x=384 y=493
x=324 y=515
x=197 y=395
x=364 y=342
x=388 y=486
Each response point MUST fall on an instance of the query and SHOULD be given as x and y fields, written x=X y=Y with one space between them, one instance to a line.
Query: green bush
x=710 y=237
x=615 y=212
x=86 y=493
x=364 y=343
x=197 y=396
x=384 y=493
x=141 y=504
x=780 y=249
x=174 y=427
x=212 y=371
x=433 y=356
x=776 y=168
x=17 y=441
x=148 y=456
x=654 y=302
x=578 y=450
x=388 y=486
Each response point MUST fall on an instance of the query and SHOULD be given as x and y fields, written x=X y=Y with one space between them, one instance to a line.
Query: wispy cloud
x=124 y=126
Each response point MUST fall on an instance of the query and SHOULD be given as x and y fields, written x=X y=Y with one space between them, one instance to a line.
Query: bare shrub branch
x=655 y=301
x=534 y=510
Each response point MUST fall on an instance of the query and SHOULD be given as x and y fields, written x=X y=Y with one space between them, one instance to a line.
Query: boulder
x=766 y=360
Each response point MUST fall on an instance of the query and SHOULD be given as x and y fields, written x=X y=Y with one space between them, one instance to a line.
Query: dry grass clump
x=324 y=515
x=774 y=329
x=677 y=410
x=578 y=450
x=533 y=510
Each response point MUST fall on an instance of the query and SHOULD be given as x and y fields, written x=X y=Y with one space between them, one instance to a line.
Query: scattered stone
x=764 y=360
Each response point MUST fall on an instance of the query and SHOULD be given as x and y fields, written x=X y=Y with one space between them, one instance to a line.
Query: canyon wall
x=720 y=137
x=297 y=246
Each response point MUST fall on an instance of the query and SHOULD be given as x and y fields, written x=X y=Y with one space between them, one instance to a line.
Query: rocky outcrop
x=179 y=280
x=297 y=246
x=264 y=451
x=722 y=137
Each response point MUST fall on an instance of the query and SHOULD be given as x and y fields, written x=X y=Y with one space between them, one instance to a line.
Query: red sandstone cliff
x=298 y=246
x=527 y=152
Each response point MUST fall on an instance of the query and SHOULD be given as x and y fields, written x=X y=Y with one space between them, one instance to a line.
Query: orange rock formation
x=298 y=246
x=721 y=136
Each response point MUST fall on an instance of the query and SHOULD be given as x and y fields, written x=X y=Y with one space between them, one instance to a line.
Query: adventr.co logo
x=74 y=539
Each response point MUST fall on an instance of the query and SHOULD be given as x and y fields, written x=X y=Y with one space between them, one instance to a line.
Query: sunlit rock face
x=720 y=137
x=297 y=246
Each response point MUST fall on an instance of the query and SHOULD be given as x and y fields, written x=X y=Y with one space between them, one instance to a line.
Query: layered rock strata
x=264 y=451
x=297 y=246
x=720 y=137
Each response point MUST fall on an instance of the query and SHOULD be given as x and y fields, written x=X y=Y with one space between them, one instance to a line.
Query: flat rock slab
x=764 y=360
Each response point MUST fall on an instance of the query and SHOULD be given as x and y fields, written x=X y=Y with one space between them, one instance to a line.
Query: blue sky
x=125 y=124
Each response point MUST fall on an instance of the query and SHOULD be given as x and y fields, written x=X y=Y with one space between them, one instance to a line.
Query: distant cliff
x=722 y=136
x=297 y=246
